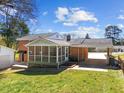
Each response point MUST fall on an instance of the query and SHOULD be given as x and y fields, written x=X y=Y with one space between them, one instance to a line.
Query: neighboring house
x=6 y=57
x=118 y=48
x=53 y=49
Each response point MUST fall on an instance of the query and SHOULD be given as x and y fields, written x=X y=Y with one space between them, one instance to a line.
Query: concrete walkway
x=89 y=69
x=20 y=66
x=97 y=55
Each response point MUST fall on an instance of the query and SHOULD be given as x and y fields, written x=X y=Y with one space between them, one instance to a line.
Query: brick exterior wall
x=96 y=62
x=21 y=47
x=83 y=53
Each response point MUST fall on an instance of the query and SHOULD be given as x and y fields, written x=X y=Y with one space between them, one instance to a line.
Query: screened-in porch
x=48 y=54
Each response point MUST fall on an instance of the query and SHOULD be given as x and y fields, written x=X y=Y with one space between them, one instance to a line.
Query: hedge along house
x=48 y=52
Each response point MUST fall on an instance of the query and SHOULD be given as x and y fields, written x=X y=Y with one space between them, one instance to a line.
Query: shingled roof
x=35 y=36
x=100 y=42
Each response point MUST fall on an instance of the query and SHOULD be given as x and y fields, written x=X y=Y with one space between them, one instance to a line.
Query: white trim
x=49 y=54
x=82 y=46
x=28 y=54
x=65 y=53
x=41 y=53
x=61 y=54
x=78 y=54
x=34 y=54
x=57 y=60
x=40 y=44
x=44 y=45
x=57 y=57
x=67 y=50
x=54 y=43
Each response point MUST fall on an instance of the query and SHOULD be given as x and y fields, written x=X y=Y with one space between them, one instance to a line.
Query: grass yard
x=120 y=55
x=66 y=81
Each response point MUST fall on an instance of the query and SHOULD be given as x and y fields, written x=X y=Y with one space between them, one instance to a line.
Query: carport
x=86 y=44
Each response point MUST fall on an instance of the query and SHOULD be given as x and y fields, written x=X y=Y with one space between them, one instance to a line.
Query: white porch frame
x=49 y=56
x=34 y=53
x=41 y=53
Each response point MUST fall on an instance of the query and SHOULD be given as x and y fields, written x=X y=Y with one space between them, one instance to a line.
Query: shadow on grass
x=2 y=76
x=41 y=71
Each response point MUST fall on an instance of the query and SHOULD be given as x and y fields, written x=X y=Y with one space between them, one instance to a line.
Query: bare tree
x=21 y=9
x=14 y=15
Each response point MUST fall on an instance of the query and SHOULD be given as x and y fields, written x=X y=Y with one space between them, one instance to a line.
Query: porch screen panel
x=31 y=54
x=53 y=54
x=44 y=53
x=63 y=54
x=38 y=54
x=67 y=53
x=59 y=56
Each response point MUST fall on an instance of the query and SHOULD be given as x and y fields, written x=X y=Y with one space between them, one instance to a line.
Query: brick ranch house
x=53 y=49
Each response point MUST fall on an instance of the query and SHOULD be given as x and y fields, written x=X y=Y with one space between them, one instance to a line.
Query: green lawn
x=66 y=81
x=120 y=55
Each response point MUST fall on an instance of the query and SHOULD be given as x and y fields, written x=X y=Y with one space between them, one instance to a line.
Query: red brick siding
x=21 y=45
x=83 y=53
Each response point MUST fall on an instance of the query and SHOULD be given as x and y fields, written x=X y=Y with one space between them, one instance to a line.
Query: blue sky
x=77 y=17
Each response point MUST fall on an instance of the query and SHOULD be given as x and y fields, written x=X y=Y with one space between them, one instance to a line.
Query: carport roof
x=92 y=43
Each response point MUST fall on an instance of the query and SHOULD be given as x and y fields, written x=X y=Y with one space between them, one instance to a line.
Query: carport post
x=28 y=53
x=108 y=54
x=78 y=54
x=34 y=54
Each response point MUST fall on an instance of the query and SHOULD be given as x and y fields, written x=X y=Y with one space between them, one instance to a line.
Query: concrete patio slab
x=20 y=66
x=89 y=69
x=97 y=55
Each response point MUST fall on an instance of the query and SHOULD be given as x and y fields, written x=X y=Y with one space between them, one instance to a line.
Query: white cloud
x=73 y=16
x=61 y=13
x=45 y=13
x=69 y=24
x=121 y=26
x=82 y=15
x=50 y=30
x=33 y=21
x=89 y=29
x=41 y=30
x=121 y=17
x=81 y=32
